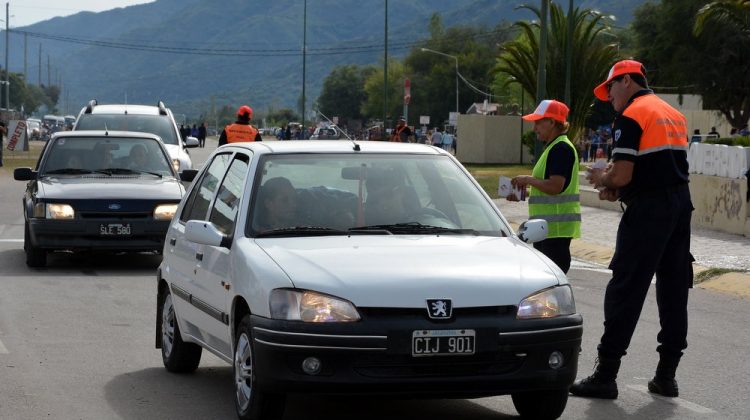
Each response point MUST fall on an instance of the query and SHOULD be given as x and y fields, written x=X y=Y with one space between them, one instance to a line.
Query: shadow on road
x=80 y=263
x=155 y=393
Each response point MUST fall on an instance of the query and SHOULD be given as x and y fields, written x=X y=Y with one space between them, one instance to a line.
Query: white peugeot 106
x=371 y=267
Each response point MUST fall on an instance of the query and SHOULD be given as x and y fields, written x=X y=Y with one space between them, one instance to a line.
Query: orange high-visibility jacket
x=240 y=132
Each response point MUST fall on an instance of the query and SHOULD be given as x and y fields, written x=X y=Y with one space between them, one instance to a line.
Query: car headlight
x=176 y=165
x=302 y=305
x=549 y=303
x=165 y=211
x=54 y=211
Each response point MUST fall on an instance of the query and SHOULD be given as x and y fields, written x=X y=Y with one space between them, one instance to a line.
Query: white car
x=368 y=267
x=141 y=118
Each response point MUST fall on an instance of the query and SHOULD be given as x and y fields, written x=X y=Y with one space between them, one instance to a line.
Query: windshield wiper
x=126 y=171
x=301 y=231
x=68 y=171
x=414 y=227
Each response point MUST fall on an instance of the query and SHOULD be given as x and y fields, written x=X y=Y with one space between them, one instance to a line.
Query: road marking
x=11 y=240
x=696 y=408
x=3 y=349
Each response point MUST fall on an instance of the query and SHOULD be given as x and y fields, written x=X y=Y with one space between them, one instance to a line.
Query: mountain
x=187 y=52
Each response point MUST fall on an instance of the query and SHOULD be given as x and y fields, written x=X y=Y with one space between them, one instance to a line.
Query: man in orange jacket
x=240 y=130
x=649 y=174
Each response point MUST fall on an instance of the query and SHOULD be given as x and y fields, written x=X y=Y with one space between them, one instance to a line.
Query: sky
x=27 y=12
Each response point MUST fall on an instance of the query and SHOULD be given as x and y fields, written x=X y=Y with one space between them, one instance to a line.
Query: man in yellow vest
x=240 y=130
x=649 y=174
x=554 y=183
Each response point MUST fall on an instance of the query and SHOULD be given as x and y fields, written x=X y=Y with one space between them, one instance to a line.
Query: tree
x=714 y=65
x=433 y=77
x=373 y=106
x=592 y=57
x=732 y=12
x=343 y=93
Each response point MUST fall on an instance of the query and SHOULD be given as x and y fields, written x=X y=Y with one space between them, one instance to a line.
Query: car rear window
x=154 y=124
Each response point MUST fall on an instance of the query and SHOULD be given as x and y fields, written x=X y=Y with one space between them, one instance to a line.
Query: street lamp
x=450 y=56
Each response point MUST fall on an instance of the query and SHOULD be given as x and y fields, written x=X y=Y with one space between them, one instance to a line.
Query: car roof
x=102 y=133
x=124 y=108
x=340 y=146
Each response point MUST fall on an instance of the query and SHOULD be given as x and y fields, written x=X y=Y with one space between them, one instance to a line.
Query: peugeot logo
x=114 y=206
x=439 y=308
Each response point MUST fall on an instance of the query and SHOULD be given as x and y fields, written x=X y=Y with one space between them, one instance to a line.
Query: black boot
x=602 y=383
x=664 y=382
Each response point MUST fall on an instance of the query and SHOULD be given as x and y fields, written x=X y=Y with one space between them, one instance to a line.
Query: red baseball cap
x=245 y=110
x=549 y=108
x=620 y=68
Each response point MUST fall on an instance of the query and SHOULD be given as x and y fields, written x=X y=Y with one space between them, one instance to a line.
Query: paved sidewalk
x=711 y=249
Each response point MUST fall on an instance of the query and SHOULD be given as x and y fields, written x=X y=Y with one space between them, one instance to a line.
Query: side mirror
x=24 y=174
x=191 y=142
x=205 y=233
x=532 y=231
x=188 y=175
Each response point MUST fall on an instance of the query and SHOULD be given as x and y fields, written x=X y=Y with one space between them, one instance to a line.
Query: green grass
x=487 y=175
x=19 y=158
x=709 y=274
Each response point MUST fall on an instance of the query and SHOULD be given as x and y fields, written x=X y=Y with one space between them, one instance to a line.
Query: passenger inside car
x=138 y=159
x=389 y=199
x=277 y=205
x=102 y=157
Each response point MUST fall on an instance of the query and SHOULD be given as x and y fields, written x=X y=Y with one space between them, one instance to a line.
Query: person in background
x=649 y=174
x=437 y=138
x=402 y=132
x=240 y=130
x=202 y=135
x=714 y=133
x=447 y=140
x=554 y=183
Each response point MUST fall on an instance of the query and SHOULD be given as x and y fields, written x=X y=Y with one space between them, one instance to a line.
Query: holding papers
x=505 y=189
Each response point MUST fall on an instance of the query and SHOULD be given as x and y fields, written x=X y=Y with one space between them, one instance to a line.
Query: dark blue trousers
x=653 y=238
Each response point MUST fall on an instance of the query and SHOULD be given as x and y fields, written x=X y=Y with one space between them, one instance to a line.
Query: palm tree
x=592 y=58
x=730 y=12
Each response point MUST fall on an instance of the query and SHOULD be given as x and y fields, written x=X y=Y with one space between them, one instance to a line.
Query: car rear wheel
x=541 y=405
x=35 y=257
x=177 y=355
x=251 y=403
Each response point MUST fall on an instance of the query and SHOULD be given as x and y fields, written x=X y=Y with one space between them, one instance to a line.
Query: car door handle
x=173 y=241
x=199 y=256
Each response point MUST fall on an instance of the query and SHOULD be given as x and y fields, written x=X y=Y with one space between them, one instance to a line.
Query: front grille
x=457 y=312
x=383 y=366
x=115 y=215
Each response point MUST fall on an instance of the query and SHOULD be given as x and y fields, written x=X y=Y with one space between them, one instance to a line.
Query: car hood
x=106 y=187
x=403 y=271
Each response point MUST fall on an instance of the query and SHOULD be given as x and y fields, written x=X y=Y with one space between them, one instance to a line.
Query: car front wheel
x=35 y=257
x=251 y=403
x=542 y=405
x=177 y=355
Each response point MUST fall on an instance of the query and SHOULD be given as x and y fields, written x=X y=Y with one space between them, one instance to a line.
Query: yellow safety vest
x=561 y=211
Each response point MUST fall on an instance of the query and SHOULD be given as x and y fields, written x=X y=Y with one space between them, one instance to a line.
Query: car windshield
x=321 y=194
x=105 y=155
x=154 y=124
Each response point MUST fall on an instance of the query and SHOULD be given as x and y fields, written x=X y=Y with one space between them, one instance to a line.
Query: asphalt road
x=77 y=342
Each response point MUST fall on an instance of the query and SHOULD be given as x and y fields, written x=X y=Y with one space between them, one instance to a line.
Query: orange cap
x=245 y=111
x=620 y=68
x=549 y=108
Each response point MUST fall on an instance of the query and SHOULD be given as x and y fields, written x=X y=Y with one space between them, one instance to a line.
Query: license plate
x=442 y=342
x=114 y=229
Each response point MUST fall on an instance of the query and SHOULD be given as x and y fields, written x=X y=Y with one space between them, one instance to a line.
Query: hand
x=512 y=197
x=521 y=181
x=608 y=194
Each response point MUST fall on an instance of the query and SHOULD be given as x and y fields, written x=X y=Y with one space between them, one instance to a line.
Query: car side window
x=196 y=208
x=224 y=211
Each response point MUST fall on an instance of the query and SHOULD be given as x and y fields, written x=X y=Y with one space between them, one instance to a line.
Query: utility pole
x=49 y=72
x=385 y=72
x=39 y=78
x=569 y=54
x=25 y=56
x=541 y=77
x=7 y=47
x=304 y=62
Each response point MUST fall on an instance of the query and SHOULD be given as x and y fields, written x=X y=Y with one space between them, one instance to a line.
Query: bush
x=731 y=141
